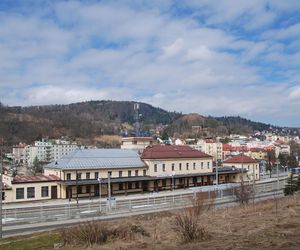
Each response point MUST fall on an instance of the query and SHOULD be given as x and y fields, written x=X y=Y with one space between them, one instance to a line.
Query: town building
x=19 y=153
x=136 y=143
x=210 y=147
x=48 y=150
x=29 y=188
x=91 y=172
x=242 y=162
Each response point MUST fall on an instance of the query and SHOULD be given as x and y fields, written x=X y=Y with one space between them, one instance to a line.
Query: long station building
x=88 y=172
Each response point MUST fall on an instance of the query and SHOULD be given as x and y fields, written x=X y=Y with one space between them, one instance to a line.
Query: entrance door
x=53 y=192
x=96 y=188
x=69 y=192
x=145 y=186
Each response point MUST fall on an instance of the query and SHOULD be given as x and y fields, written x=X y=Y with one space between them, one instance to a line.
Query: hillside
x=195 y=125
x=92 y=120
x=78 y=120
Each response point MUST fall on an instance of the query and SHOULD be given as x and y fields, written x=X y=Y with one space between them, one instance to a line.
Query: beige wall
x=203 y=165
x=10 y=195
x=253 y=169
x=103 y=173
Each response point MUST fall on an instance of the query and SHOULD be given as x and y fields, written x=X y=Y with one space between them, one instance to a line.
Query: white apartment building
x=48 y=151
x=210 y=147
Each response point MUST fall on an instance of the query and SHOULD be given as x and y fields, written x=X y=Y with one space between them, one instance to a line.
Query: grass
x=33 y=242
x=271 y=224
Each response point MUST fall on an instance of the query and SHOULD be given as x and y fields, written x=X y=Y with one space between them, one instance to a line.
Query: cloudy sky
x=212 y=57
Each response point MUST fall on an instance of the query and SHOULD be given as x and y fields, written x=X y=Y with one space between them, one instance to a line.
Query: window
x=120 y=186
x=129 y=173
x=256 y=167
x=79 y=190
x=164 y=183
x=163 y=167
x=201 y=165
x=88 y=175
x=68 y=176
x=30 y=192
x=88 y=189
x=45 y=191
x=78 y=176
x=173 y=166
x=120 y=173
x=134 y=142
x=137 y=185
x=96 y=175
x=194 y=165
x=144 y=172
x=155 y=167
x=109 y=173
x=187 y=166
x=233 y=176
x=129 y=185
x=208 y=164
x=180 y=166
x=136 y=173
x=3 y=196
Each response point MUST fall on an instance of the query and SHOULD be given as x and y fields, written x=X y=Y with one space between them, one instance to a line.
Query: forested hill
x=78 y=120
x=95 y=118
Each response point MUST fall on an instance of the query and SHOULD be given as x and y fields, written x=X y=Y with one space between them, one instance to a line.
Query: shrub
x=87 y=233
x=187 y=222
x=291 y=186
x=244 y=193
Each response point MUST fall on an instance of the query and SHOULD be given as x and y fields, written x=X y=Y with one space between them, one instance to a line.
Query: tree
x=271 y=160
x=291 y=186
x=37 y=167
x=165 y=136
x=282 y=159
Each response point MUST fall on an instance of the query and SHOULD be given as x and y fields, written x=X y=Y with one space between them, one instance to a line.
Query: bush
x=87 y=233
x=244 y=193
x=291 y=186
x=187 y=222
x=96 y=232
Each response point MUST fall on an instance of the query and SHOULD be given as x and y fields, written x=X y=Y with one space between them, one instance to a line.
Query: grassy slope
x=258 y=226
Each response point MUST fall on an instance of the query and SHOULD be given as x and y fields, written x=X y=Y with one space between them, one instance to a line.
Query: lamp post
x=277 y=170
x=99 y=180
x=109 y=193
x=173 y=180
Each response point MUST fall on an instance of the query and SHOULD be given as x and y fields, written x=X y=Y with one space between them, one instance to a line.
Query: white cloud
x=216 y=60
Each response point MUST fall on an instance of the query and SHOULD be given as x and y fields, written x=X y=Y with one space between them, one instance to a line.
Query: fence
x=150 y=203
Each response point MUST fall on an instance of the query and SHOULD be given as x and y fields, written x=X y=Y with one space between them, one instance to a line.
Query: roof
x=240 y=159
x=35 y=178
x=172 y=151
x=137 y=139
x=98 y=159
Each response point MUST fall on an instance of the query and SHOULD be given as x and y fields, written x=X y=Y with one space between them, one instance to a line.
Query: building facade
x=244 y=162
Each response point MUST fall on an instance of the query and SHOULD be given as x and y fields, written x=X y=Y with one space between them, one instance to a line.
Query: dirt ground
x=258 y=226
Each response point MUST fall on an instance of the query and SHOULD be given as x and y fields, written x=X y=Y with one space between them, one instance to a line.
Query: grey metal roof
x=98 y=159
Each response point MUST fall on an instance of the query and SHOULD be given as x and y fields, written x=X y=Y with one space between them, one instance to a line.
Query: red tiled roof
x=36 y=178
x=172 y=151
x=240 y=159
x=226 y=147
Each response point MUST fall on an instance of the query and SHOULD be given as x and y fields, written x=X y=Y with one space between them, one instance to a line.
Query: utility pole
x=109 y=193
x=99 y=180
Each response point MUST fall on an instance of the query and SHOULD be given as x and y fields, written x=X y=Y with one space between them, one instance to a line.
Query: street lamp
x=173 y=180
x=99 y=180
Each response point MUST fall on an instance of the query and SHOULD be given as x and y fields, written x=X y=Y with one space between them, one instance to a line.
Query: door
x=69 y=192
x=145 y=186
x=53 y=192
x=96 y=188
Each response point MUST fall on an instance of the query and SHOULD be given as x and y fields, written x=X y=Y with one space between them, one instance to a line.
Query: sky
x=217 y=58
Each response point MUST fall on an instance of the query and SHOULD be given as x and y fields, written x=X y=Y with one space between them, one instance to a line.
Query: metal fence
x=149 y=203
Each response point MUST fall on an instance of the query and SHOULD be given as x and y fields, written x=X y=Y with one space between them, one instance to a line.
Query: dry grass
x=254 y=226
x=249 y=227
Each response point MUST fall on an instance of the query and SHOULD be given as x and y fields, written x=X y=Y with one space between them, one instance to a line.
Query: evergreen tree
x=291 y=186
x=37 y=167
